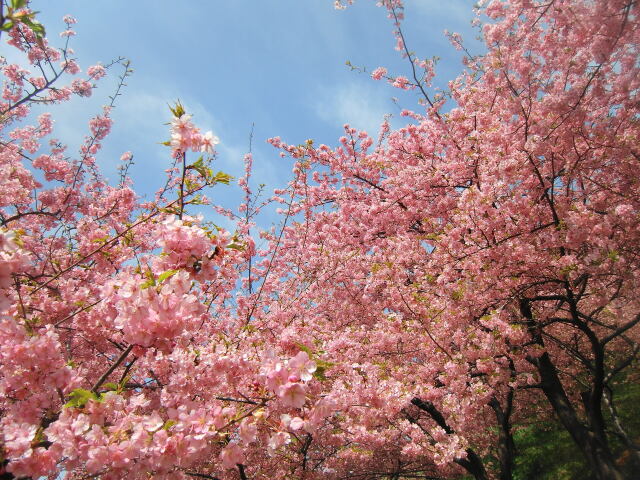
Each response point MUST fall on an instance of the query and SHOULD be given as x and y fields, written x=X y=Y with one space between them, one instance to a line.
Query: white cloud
x=450 y=13
x=359 y=104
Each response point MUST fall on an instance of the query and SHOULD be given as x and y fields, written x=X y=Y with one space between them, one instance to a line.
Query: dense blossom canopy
x=427 y=290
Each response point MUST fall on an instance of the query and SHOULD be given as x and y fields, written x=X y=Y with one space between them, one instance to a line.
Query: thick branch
x=507 y=447
x=473 y=463
x=115 y=365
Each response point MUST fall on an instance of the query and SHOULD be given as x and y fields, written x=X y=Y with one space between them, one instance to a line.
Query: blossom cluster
x=424 y=293
x=12 y=261
x=186 y=136
x=288 y=380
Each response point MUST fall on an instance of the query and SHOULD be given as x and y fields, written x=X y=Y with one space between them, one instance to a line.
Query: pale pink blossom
x=401 y=82
x=96 y=72
x=208 y=142
x=231 y=455
x=302 y=367
x=277 y=440
x=378 y=73
x=292 y=394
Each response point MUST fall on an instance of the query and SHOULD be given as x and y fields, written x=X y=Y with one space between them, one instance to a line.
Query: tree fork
x=472 y=464
x=596 y=450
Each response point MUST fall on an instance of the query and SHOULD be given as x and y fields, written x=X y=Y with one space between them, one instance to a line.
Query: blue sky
x=277 y=64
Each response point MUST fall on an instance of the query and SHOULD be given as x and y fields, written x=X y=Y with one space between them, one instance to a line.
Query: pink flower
x=208 y=142
x=7 y=241
x=96 y=72
x=455 y=39
x=71 y=66
x=179 y=143
x=231 y=455
x=182 y=125
x=277 y=377
x=296 y=423
x=277 y=440
x=292 y=394
x=248 y=430
x=401 y=82
x=81 y=87
x=302 y=366
x=623 y=210
x=378 y=73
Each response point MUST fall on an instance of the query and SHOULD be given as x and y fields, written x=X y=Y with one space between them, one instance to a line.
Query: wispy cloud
x=357 y=103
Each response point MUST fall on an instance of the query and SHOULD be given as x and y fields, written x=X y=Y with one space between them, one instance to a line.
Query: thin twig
x=106 y=374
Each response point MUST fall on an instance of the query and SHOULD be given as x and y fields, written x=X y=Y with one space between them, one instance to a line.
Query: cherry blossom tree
x=428 y=291
x=122 y=354
x=480 y=264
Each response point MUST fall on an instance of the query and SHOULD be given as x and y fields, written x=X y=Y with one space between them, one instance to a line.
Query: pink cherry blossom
x=96 y=72
x=430 y=290
x=301 y=366
x=208 y=142
x=231 y=455
x=378 y=73
x=292 y=394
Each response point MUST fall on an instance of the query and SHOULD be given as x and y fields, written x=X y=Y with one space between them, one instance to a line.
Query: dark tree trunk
x=506 y=445
x=591 y=438
x=594 y=447
x=472 y=463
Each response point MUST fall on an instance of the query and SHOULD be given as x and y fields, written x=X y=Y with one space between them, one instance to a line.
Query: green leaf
x=16 y=4
x=111 y=386
x=200 y=167
x=319 y=374
x=222 y=177
x=168 y=424
x=168 y=274
x=79 y=397
x=35 y=26
x=323 y=363
x=151 y=280
x=305 y=349
x=6 y=26
x=178 y=110
x=170 y=210
x=236 y=246
x=197 y=200
x=321 y=368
